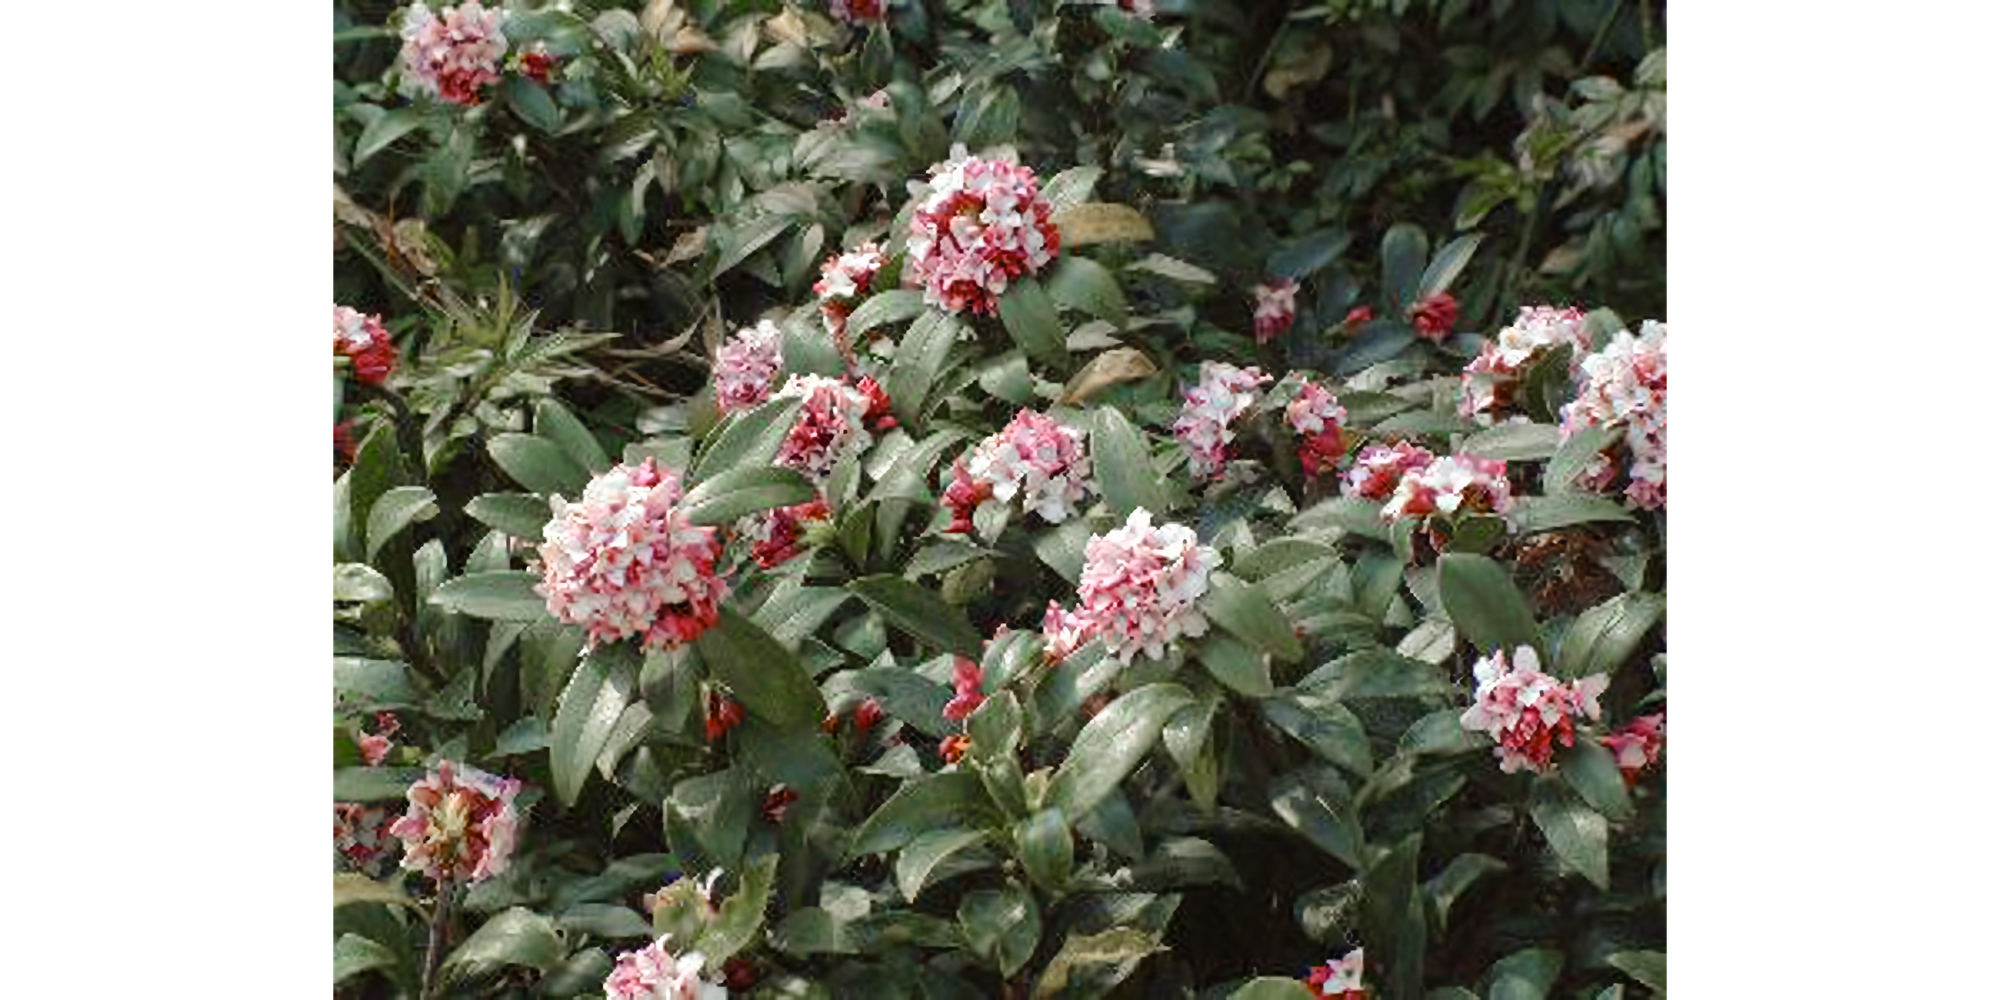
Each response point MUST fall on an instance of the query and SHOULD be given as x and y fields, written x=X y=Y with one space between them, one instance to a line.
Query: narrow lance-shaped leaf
x=586 y=714
x=1484 y=604
x=1111 y=744
x=760 y=671
x=918 y=611
x=537 y=463
x=1030 y=318
x=728 y=496
x=501 y=595
x=1122 y=465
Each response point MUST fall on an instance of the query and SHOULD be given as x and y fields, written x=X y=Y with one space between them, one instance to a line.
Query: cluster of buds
x=365 y=343
x=1338 y=979
x=1488 y=383
x=1378 y=469
x=1223 y=393
x=844 y=279
x=779 y=534
x=655 y=973
x=1525 y=711
x=746 y=366
x=361 y=835
x=1637 y=746
x=1433 y=317
x=1317 y=416
x=867 y=712
x=1276 y=303
x=1033 y=457
x=721 y=714
x=966 y=696
x=1452 y=485
x=452 y=56
x=460 y=825
x=1625 y=385
x=1137 y=592
x=978 y=225
x=832 y=419
x=375 y=746
x=625 y=560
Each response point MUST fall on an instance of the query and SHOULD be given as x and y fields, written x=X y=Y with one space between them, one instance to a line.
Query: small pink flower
x=365 y=343
x=1062 y=632
x=862 y=12
x=966 y=696
x=978 y=225
x=1317 y=416
x=1356 y=317
x=954 y=747
x=454 y=55
x=723 y=715
x=1451 y=485
x=1140 y=585
x=1276 y=304
x=777 y=802
x=778 y=534
x=375 y=746
x=880 y=416
x=536 y=65
x=963 y=495
x=654 y=973
x=1340 y=979
x=1625 y=385
x=460 y=825
x=830 y=422
x=1488 y=383
x=1434 y=316
x=746 y=366
x=1526 y=711
x=624 y=560
x=844 y=280
x=361 y=835
x=1638 y=745
x=1223 y=393
x=1378 y=470
x=1035 y=458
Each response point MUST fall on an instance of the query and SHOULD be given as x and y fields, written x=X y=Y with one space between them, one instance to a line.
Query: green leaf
x=736 y=241
x=518 y=936
x=745 y=440
x=1002 y=924
x=1446 y=264
x=1302 y=255
x=918 y=611
x=892 y=306
x=1318 y=811
x=1392 y=913
x=741 y=915
x=1071 y=187
x=521 y=515
x=1605 y=636
x=537 y=463
x=1590 y=769
x=1355 y=515
x=1172 y=267
x=586 y=713
x=1376 y=673
x=353 y=887
x=554 y=422
x=1575 y=454
x=372 y=682
x=1647 y=968
x=1111 y=744
x=794 y=611
x=761 y=672
x=1244 y=610
x=803 y=345
x=1121 y=949
x=1576 y=833
x=1528 y=974
x=920 y=858
x=1046 y=852
x=531 y=103
x=1513 y=442
x=1329 y=728
x=1187 y=735
x=1271 y=988
x=374 y=784
x=354 y=955
x=1440 y=732
x=727 y=496
x=1236 y=664
x=920 y=356
x=503 y=595
x=1445 y=887
x=714 y=811
x=605 y=920
x=398 y=509
x=1124 y=467
x=1533 y=514
x=1404 y=248
x=1084 y=285
x=1483 y=603
x=951 y=799
x=385 y=129
x=1030 y=318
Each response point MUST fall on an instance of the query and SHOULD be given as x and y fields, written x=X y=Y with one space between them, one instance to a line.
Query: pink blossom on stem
x=453 y=55
x=1276 y=305
x=1223 y=393
x=1625 y=385
x=1451 y=485
x=1339 y=979
x=1434 y=316
x=844 y=280
x=1317 y=416
x=830 y=422
x=365 y=342
x=778 y=534
x=654 y=973
x=1526 y=711
x=1062 y=632
x=1378 y=470
x=978 y=225
x=361 y=835
x=1035 y=458
x=1488 y=383
x=1637 y=746
x=375 y=746
x=966 y=696
x=745 y=367
x=624 y=560
x=460 y=825
x=1140 y=585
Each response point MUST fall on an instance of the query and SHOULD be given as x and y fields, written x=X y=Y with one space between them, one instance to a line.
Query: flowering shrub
x=454 y=55
x=794 y=699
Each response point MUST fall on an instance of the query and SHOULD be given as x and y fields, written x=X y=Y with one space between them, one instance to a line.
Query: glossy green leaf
x=1329 y=728
x=892 y=306
x=1045 y=849
x=1446 y=886
x=1605 y=636
x=1084 y=285
x=1575 y=832
x=537 y=463
x=1528 y=974
x=1303 y=255
x=385 y=129
x=1271 y=988
x=605 y=920
x=1071 y=187
x=1172 y=267
x=354 y=955
x=1111 y=744
x=517 y=936
x=920 y=356
x=1376 y=673
x=1240 y=667
x=739 y=240
x=531 y=103
x=714 y=810
x=1513 y=442
x=1319 y=813
x=725 y=497
x=1244 y=610
x=1533 y=514
x=1352 y=514
x=916 y=862
x=1575 y=454
x=1647 y=968
x=1484 y=604
x=738 y=920
x=1446 y=264
x=1591 y=770
x=1188 y=736
x=918 y=611
x=747 y=439
x=586 y=713
x=353 y=887
x=554 y=422
x=1095 y=963
x=1404 y=249
x=1030 y=318
x=521 y=515
x=760 y=671
x=934 y=802
x=1392 y=914
x=503 y=595
x=1003 y=925
x=363 y=681
x=1123 y=466
x=397 y=509
x=374 y=784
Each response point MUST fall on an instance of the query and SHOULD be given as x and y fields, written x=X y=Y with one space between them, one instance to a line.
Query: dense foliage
x=1000 y=499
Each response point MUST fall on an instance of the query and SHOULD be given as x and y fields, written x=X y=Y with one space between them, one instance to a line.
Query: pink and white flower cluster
x=1277 y=302
x=365 y=342
x=844 y=278
x=654 y=973
x=460 y=825
x=862 y=12
x=1034 y=457
x=1526 y=711
x=979 y=224
x=1223 y=393
x=966 y=677
x=1486 y=387
x=1339 y=979
x=778 y=534
x=746 y=366
x=375 y=746
x=1137 y=592
x=1451 y=485
x=361 y=835
x=1318 y=417
x=1378 y=469
x=832 y=419
x=455 y=54
x=1626 y=385
x=624 y=560
x=1637 y=746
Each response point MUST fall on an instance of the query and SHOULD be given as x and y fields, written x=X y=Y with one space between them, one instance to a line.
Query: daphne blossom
x=460 y=825
x=978 y=225
x=1317 y=416
x=1339 y=979
x=831 y=421
x=844 y=279
x=1454 y=484
x=454 y=54
x=1625 y=385
x=1434 y=316
x=1637 y=746
x=1139 y=589
x=1035 y=458
x=1223 y=393
x=625 y=560
x=1276 y=304
x=966 y=696
x=862 y=12
x=1488 y=383
x=778 y=534
x=366 y=344
x=746 y=365
x=1378 y=469
x=361 y=835
x=654 y=973
x=1526 y=711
